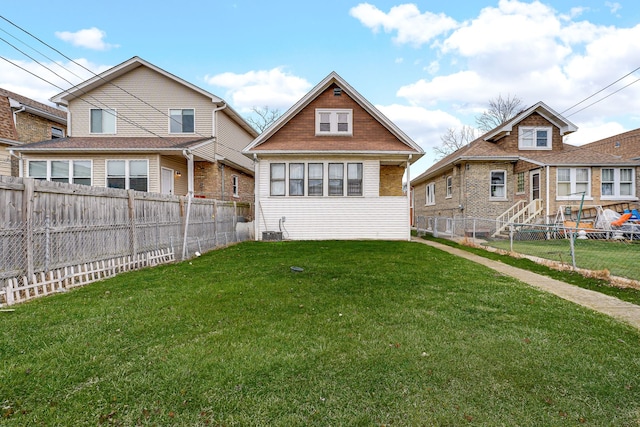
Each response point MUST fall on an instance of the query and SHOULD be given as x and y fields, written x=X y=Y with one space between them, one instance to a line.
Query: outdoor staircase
x=520 y=213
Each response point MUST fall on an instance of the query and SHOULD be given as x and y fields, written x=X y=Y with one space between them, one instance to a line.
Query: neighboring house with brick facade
x=523 y=167
x=23 y=120
x=331 y=167
x=136 y=126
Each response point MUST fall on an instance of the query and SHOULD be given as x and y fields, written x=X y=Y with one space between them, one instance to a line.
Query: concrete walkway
x=614 y=307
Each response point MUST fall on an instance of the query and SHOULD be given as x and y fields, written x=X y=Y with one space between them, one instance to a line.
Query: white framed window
x=296 y=179
x=334 y=122
x=57 y=132
x=617 y=183
x=448 y=225
x=69 y=171
x=128 y=174
x=534 y=138
x=315 y=184
x=278 y=179
x=235 y=185
x=431 y=194
x=498 y=186
x=572 y=182
x=336 y=179
x=103 y=121
x=354 y=179
x=182 y=120
x=449 y=181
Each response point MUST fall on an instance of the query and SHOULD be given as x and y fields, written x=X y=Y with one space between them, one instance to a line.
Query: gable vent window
x=334 y=122
x=337 y=92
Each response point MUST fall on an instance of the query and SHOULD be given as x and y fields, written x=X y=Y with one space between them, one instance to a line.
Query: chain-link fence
x=613 y=252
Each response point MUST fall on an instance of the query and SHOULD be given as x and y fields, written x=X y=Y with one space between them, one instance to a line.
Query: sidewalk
x=611 y=306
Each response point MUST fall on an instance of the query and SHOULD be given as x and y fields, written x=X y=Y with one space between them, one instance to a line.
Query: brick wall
x=391 y=180
x=510 y=142
x=32 y=128
x=207 y=181
x=7 y=128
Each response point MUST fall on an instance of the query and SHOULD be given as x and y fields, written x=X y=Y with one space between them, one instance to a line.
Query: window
x=336 y=179
x=431 y=194
x=520 y=183
x=182 y=121
x=69 y=171
x=296 y=179
x=235 y=185
x=617 y=183
x=56 y=133
x=572 y=182
x=334 y=122
x=354 y=179
x=128 y=174
x=534 y=138
x=103 y=121
x=449 y=185
x=498 y=185
x=315 y=184
x=277 y=179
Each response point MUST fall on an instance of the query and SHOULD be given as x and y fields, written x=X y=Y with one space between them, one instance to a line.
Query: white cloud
x=412 y=27
x=90 y=38
x=594 y=131
x=614 y=7
x=274 y=88
x=14 y=77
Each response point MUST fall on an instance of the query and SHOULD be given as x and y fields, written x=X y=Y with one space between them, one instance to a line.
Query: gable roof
x=34 y=107
x=333 y=78
x=108 y=76
x=541 y=108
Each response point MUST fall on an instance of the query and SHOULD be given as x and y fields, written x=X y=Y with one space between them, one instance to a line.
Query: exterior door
x=535 y=185
x=167 y=181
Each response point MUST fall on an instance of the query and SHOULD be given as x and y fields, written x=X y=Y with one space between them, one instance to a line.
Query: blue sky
x=427 y=65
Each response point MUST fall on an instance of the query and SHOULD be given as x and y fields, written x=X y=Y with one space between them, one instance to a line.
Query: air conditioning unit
x=273 y=236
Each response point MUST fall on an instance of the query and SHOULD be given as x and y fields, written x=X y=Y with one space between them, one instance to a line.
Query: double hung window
x=334 y=122
x=498 y=185
x=617 y=183
x=128 y=174
x=316 y=182
x=571 y=183
x=534 y=138
x=431 y=194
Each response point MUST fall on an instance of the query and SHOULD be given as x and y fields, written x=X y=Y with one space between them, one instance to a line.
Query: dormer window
x=534 y=138
x=334 y=122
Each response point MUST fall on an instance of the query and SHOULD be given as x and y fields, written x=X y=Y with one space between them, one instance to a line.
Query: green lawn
x=619 y=257
x=370 y=333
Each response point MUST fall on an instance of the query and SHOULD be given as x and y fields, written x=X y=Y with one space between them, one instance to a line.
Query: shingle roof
x=112 y=144
x=34 y=104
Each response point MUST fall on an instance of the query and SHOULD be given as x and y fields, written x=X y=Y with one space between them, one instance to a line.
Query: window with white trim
x=235 y=185
x=296 y=179
x=449 y=187
x=617 y=183
x=336 y=179
x=431 y=194
x=182 y=120
x=103 y=121
x=354 y=179
x=315 y=184
x=572 y=182
x=334 y=121
x=534 y=138
x=128 y=174
x=498 y=188
x=69 y=171
x=278 y=179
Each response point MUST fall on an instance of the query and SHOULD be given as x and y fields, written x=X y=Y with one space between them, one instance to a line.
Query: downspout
x=189 y=156
x=548 y=194
x=20 y=166
x=409 y=194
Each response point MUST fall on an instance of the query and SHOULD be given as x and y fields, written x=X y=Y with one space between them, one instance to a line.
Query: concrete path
x=614 y=307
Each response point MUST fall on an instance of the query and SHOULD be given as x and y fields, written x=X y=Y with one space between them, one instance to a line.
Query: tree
x=500 y=110
x=265 y=117
x=455 y=139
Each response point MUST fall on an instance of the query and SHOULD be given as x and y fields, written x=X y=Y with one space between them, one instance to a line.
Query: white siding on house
x=5 y=162
x=322 y=218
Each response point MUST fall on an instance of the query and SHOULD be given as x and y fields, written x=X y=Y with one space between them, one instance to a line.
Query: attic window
x=334 y=122
x=534 y=138
x=337 y=91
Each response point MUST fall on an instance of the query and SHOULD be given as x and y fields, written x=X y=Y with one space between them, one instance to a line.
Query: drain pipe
x=189 y=156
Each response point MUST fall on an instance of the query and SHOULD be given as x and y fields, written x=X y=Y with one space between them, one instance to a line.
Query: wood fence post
x=132 y=223
x=27 y=218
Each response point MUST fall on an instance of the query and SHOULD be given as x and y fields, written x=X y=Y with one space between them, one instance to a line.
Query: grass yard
x=619 y=257
x=370 y=334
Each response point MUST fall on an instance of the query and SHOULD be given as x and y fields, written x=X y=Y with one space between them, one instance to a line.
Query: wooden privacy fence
x=55 y=236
